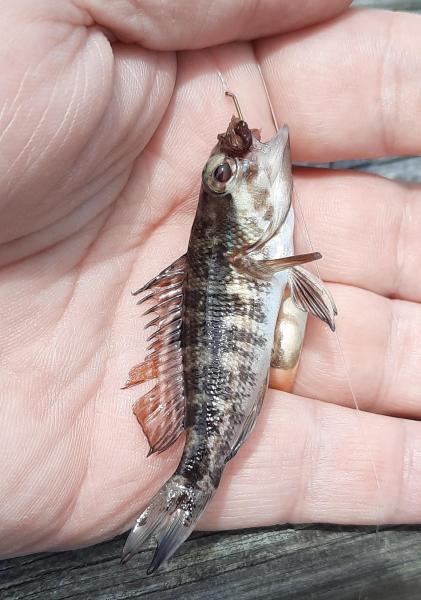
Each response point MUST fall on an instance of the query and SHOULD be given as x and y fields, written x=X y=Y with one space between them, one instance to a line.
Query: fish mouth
x=271 y=154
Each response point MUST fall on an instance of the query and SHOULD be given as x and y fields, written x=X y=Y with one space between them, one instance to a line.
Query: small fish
x=227 y=310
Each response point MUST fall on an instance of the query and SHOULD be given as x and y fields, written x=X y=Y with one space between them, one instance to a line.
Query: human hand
x=102 y=143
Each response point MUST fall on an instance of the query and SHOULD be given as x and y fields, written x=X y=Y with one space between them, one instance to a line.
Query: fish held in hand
x=227 y=310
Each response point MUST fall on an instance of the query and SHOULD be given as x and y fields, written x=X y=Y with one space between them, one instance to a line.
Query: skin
x=102 y=142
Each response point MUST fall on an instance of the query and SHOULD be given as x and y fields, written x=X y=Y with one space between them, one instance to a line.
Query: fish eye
x=223 y=173
x=219 y=173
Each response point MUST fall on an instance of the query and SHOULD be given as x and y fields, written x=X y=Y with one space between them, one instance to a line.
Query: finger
x=366 y=227
x=380 y=341
x=198 y=24
x=71 y=155
x=308 y=461
x=169 y=172
x=347 y=87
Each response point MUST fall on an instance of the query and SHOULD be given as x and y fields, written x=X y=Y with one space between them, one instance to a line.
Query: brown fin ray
x=142 y=372
x=249 y=422
x=309 y=294
x=267 y=268
x=161 y=414
x=166 y=277
x=160 y=411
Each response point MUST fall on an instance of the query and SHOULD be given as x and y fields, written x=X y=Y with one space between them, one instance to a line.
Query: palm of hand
x=106 y=202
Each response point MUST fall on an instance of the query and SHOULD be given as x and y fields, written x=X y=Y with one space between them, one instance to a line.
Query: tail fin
x=170 y=517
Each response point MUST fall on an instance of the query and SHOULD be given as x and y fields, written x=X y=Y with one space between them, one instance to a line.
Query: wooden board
x=305 y=562
x=408 y=169
x=314 y=562
x=396 y=5
x=412 y=5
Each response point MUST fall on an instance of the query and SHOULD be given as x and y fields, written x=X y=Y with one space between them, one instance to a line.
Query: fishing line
x=338 y=341
x=345 y=366
x=224 y=83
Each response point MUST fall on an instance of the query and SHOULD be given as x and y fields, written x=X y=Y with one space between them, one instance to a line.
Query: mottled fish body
x=220 y=308
x=229 y=315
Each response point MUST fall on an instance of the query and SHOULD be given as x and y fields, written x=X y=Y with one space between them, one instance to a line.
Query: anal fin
x=249 y=423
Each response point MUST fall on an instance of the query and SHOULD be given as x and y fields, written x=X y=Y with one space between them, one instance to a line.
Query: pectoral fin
x=309 y=294
x=267 y=268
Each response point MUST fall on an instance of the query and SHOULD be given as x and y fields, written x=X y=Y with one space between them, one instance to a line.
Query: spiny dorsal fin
x=160 y=411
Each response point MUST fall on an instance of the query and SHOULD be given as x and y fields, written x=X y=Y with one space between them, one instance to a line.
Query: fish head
x=251 y=179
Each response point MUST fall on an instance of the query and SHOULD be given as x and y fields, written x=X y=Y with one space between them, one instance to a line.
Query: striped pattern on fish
x=217 y=321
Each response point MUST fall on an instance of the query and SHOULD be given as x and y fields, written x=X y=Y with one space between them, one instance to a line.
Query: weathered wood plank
x=279 y=562
x=411 y=5
x=408 y=169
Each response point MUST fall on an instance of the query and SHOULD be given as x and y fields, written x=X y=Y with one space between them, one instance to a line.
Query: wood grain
x=306 y=562
x=329 y=563
x=411 y=5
